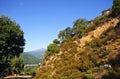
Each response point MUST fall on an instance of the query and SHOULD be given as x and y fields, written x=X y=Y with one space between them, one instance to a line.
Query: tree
x=79 y=26
x=11 y=41
x=56 y=41
x=52 y=49
x=65 y=34
x=61 y=35
x=80 y=21
x=116 y=8
x=77 y=29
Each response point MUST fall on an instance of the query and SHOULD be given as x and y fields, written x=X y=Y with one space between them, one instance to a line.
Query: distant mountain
x=38 y=52
x=34 y=57
x=30 y=59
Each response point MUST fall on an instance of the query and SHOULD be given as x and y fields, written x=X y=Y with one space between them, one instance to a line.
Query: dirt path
x=17 y=77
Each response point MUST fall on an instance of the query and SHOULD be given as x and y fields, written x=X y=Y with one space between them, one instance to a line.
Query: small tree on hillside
x=65 y=34
x=79 y=26
x=51 y=49
x=116 y=8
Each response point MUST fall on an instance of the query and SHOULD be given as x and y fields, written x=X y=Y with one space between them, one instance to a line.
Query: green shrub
x=89 y=76
x=52 y=49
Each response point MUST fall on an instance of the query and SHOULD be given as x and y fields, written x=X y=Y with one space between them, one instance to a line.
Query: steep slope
x=93 y=56
x=71 y=63
x=98 y=32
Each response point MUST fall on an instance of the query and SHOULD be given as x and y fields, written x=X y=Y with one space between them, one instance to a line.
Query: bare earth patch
x=17 y=77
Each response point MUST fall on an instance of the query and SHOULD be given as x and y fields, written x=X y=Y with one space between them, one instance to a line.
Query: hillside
x=92 y=53
x=30 y=59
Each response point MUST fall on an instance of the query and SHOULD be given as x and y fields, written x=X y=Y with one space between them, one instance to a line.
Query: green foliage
x=3 y=64
x=65 y=34
x=99 y=20
x=79 y=26
x=116 y=8
x=77 y=29
x=11 y=41
x=17 y=64
x=56 y=41
x=89 y=76
x=52 y=49
x=30 y=59
x=11 y=37
x=30 y=71
x=80 y=21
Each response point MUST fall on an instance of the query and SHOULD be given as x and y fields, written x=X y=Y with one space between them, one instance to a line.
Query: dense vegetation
x=98 y=59
x=11 y=46
x=116 y=8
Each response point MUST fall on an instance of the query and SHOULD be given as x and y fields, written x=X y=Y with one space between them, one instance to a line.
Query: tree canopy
x=11 y=41
x=52 y=49
x=77 y=29
x=79 y=26
x=116 y=8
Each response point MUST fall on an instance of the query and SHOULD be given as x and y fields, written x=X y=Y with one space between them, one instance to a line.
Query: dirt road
x=17 y=77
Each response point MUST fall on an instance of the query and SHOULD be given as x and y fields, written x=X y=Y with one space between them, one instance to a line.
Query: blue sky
x=41 y=20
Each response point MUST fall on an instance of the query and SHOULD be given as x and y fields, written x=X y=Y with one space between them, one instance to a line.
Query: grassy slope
x=30 y=59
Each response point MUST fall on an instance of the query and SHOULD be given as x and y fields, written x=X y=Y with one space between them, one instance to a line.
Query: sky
x=41 y=20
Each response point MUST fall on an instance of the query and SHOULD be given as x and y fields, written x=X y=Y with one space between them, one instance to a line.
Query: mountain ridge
x=37 y=52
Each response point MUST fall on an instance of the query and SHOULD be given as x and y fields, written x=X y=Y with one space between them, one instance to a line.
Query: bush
x=52 y=49
x=89 y=76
